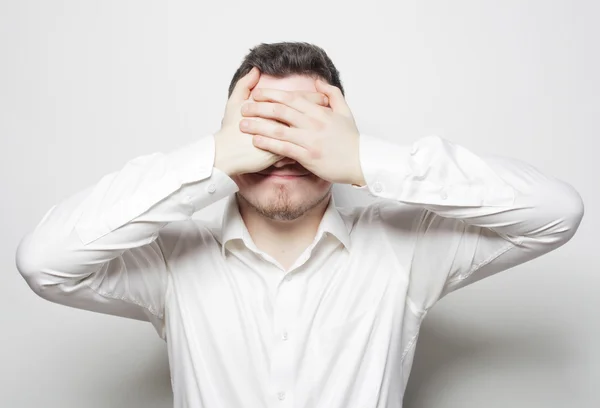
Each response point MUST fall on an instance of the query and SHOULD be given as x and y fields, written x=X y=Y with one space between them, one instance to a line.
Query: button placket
x=283 y=360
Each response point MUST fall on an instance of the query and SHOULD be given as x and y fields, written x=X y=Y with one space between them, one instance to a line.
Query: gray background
x=87 y=85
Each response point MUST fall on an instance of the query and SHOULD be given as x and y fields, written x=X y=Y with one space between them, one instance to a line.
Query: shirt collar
x=233 y=226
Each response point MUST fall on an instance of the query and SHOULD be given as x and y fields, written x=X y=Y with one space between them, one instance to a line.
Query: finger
x=314 y=97
x=280 y=147
x=278 y=112
x=291 y=99
x=336 y=99
x=258 y=119
x=273 y=130
x=244 y=86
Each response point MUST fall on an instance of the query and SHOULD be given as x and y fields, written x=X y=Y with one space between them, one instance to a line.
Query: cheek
x=317 y=187
x=322 y=184
x=247 y=181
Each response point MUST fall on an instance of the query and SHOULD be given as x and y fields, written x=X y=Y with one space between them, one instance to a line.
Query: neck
x=283 y=240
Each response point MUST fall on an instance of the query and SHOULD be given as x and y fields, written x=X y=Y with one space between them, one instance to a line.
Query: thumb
x=244 y=86
x=336 y=99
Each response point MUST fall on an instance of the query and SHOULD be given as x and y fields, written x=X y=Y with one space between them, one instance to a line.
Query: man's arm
x=481 y=215
x=101 y=249
x=98 y=249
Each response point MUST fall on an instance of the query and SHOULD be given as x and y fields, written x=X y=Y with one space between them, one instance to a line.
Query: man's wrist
x=221 y=162
x=358 y=178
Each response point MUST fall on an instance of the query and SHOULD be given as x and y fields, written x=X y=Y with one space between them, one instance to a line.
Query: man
x=292 y=301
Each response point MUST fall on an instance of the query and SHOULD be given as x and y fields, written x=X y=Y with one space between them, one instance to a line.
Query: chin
x=282 y=200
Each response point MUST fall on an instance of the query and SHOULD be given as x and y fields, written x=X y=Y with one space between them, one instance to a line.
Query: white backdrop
x=87 y=85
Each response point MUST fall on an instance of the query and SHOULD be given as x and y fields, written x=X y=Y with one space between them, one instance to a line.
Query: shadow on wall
x=453 y=356
x=460 y=361
x=147 y=385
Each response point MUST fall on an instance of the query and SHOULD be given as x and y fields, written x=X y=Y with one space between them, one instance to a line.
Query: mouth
x=285 y=176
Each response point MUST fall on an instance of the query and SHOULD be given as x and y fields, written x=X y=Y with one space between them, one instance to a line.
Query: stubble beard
x=282 y=208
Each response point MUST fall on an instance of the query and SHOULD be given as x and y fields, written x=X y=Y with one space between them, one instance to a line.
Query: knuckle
x=280 y=131
x=315 y=150
x=246 y=125
x=278 y=110
x=286 y=150
x=314 y=153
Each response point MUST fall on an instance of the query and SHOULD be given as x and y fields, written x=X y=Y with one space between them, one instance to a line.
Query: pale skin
x=297 y=126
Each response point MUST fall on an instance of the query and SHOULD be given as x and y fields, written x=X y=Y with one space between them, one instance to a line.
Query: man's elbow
x=570 y=209
x=29 y=261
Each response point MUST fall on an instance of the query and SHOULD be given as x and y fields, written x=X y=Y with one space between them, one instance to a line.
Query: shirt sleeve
x=100 y=249
x=479 y=214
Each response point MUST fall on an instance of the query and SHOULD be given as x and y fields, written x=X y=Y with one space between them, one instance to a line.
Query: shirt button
x=414 y=150
x=212 y=188
x=444 y=195
x=378 y=187
x=284 y=336
x=281 y=396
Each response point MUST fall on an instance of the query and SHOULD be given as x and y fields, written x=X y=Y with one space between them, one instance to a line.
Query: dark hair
x=289 y=58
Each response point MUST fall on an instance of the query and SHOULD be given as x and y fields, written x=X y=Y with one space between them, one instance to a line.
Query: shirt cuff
x=384 y=166
x=218 y=186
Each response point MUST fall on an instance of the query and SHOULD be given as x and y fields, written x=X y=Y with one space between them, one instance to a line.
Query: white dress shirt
x=336 y=330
